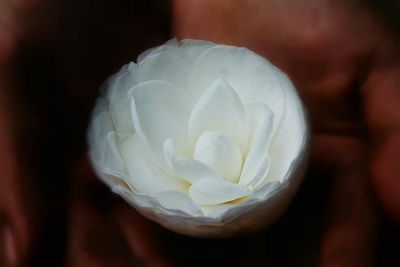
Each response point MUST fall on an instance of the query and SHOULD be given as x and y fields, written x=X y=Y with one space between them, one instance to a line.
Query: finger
x=140 y=234
x=381 y=94
x=7 y=35
x=17 y=225
x=350 y=231
x=19 y=220
x=94 y=237
x=351 y=228
x=143 y=236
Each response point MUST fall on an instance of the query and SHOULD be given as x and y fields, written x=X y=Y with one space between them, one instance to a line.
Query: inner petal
x=260 y=134
x=159 y=111
x=252 y=76
x=220 y=110
x=221 y=153
x=143 y=173
x=189 y=169
x=210 y=191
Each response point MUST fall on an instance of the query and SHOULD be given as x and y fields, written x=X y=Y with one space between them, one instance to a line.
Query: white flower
x=205 y=139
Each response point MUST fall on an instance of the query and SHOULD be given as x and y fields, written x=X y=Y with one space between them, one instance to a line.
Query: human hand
x=343 y=73
x=332 y=51
x=345 y=64
x=93 y=229
x=19 y=211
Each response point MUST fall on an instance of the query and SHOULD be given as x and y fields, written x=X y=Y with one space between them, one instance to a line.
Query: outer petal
x=210 y=191
x=144 y=175
x=100 y=127
x=260 y=133
x=159 y=111
x=219 y=110
x=173 y=200
x=104 y=153
x=120 y=102
x=156 y=63
x=291 y=137
x=112 y=162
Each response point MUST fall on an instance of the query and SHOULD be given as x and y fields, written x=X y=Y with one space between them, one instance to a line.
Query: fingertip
x=142 y=236
x=94 y=239
x=351 y=229
x=386 y=176
x=8 y=256
x=136 y=231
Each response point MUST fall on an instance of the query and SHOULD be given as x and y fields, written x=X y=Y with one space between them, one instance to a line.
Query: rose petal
x=159 y=111
x=173 y=200
x=221 y=153
x=104 y=153
x=112 y=162
x=252 y=76
x=262 y=174
x=102 y=104
x=156 y=63
x=219 y=110
x=292 y=137
x=210 y=191
x=144 y=175
x=100 y=127
x=188 y=169
x=260 y=127
x=120 y=102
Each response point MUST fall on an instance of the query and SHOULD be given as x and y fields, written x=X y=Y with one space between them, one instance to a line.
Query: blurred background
x=54 y=55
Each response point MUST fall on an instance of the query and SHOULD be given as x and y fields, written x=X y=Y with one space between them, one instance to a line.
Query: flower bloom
x=205 y=139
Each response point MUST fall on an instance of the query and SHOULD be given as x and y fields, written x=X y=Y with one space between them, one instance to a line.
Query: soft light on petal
x=260 y=125
x=159 y=111
x=120 y=102
x=292 y=139
x=210 y=191
x=252 y=76
x=177 y=201
x=261 y=175
x=144 y=175
x=218 y=110
x=171 y=62
x=221 y=153
x=112 y=162
x=188 y=169
x=100 y=127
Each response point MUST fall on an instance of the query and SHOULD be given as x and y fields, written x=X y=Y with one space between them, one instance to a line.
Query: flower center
x=221 y=153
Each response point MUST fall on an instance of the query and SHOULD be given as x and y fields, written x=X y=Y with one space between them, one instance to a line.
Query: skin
x=18 y=224
x=345 y=64
x=26 y=213
x=343 y=60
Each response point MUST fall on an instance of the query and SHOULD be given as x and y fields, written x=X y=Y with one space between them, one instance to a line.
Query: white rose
x=208 y=140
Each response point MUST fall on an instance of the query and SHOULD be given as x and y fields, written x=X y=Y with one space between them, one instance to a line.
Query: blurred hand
x=15 y=232
x=37 y=35
x=340 y=56
x=346 y=65
x=18 y=199
x=105 y=231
